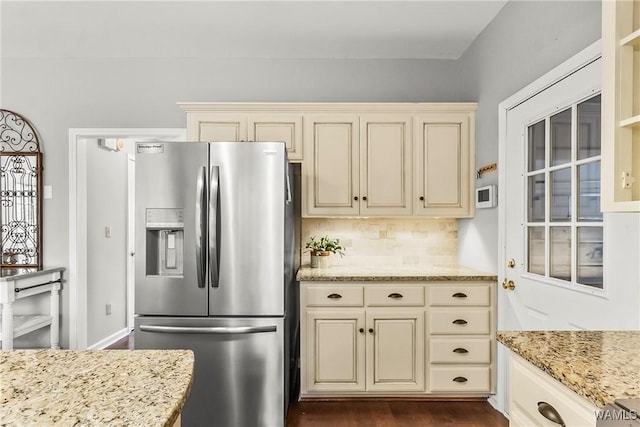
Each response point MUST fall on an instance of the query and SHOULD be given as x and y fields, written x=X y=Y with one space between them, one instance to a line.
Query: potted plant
x=321 y=250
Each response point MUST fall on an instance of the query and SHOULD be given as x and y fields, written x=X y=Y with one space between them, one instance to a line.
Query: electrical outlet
x=107 y=232
x=108 y=309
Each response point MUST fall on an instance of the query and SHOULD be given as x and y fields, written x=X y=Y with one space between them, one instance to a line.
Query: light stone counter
x=601 y=366
x=91 y=388
x=352 y=273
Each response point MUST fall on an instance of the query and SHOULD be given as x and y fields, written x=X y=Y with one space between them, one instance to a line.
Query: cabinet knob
x=361 y=330
x=459 y=295
x=370 y=330
x=550 y=413
x=355 y=198
x=421 y=197
x=394 y=295
x=460 y=350
x=459 y=322
x=334 y=296
x=364 y=198
x=460 y=379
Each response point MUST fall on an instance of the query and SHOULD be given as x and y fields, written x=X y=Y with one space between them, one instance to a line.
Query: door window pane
x=590 y=256
x=535 y=140
x=560 y=252
x=589 y=192
x=561 y=195
x=536 y=250
x=536 y=198
x=589 y=128
x=561 y=137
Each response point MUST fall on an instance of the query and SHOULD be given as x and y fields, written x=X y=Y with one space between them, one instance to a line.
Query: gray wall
x=57 y=89
x=106 y=257
x=526 y=40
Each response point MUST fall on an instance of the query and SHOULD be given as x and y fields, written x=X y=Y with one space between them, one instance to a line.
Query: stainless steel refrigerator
x=216 y=258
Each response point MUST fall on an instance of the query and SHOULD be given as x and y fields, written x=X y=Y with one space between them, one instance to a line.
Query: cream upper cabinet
x=330 y=169
x=357 y=165
x=620 y=173
x=215 y=127
x=443 y=153
x=278 y=127
x=385 y=164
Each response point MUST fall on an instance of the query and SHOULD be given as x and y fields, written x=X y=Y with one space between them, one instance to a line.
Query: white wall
x=106 y=257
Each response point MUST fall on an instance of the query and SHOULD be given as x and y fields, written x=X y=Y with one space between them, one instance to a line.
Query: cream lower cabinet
x=357 y=165
x=396 y=338
x=536 y=399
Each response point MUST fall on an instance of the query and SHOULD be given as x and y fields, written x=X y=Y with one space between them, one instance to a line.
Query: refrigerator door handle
x=214 y=260
x=207 y=329
x=200 y=223
x=289 y=198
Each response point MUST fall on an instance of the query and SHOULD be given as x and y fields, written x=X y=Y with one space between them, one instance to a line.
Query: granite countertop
x=601 y=366
x=392 y=273
x=102 y=387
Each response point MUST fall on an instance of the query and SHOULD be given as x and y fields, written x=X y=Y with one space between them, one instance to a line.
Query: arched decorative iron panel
x=20 y=192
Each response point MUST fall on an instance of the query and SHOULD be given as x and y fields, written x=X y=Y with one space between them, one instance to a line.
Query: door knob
x=511 y=263
x=508 y=285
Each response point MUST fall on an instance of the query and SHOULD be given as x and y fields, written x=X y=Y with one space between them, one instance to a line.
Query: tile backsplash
x=391 y=241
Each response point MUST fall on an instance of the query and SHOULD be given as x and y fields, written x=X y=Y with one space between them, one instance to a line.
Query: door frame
x=576 y=62
x=77 y=274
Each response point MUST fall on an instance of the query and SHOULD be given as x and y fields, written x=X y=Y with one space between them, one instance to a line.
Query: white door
x=553 y=225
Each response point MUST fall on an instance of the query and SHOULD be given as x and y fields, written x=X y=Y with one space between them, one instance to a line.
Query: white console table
x=18 y=283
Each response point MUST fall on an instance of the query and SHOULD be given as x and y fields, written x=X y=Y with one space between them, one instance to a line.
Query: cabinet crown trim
x=313 y=107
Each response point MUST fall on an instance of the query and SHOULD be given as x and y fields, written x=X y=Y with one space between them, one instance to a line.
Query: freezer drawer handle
x=207 y=329
x=334 y=296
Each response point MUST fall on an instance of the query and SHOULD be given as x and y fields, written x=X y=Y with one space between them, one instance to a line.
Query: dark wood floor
x=379 y=413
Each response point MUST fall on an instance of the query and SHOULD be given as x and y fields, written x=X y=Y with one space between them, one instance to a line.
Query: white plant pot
x=321 y=260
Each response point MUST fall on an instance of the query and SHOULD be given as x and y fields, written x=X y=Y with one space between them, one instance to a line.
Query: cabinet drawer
x=530 y=386
x=459 y=321
x=460 y=295
x=443 y=350
x=328 y=296
x=394 y=296
x=472 y=379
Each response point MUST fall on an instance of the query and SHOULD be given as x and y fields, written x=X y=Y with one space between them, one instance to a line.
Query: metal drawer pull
x=459 y=322
x=394 y=295
x=550 y=413
x=460 y=350
x=459 y=295
x=334 y=296
x=460 y=379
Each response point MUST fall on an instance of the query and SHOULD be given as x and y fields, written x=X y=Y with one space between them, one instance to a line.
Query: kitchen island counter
x=351 y=273
x=600 y=366
x=103 y=387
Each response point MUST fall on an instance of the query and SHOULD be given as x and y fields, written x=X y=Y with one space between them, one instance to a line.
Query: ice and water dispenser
x=165 y=242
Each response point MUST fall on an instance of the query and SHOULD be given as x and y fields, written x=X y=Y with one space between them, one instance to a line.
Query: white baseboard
x=109 y=340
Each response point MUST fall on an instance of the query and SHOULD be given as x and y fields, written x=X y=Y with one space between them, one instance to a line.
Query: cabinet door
x=331 y=167
x=395 y=350
x=215 y=127
x=335 y=350
x=278 y=127
x=385 y=166
x=443 y=153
